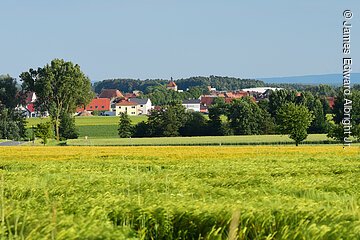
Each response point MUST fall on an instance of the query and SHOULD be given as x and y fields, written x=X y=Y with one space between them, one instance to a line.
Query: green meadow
x=207 y=140
x=94 y=126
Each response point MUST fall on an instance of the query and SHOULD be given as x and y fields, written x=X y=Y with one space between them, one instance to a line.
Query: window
x=96 y=106
x=133 y=113
x=141 y=105
x=90 y=106
x=102 y=106
x=133 y=107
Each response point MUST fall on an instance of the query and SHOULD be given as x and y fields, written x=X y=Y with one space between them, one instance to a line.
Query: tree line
x=285 y=112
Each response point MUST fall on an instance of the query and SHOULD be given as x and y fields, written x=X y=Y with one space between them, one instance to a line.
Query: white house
x=192 y=105
x=144 y=105
x=130 y=108
x=29 y=107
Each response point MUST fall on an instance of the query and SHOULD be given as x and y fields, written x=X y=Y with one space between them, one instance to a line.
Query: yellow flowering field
x=197 y=192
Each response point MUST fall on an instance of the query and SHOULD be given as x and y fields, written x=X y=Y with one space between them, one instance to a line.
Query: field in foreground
x=262 y=192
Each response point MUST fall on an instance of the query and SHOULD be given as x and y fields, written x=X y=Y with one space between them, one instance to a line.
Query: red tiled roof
x=171 y=84
x=237 y=94
x=130 y=95
x=126 y=103
x=228 y=99
x=206 y=100
x=97 y=104
x=30 y=107
x=110 y=93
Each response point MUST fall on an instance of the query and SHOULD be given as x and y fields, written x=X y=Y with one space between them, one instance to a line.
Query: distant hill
x=330 y=79
x=148 y=85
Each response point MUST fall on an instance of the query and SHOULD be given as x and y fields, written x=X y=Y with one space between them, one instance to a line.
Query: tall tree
x=125 y=129
x=195 y=125
x=12 y=124
x=245 y=117
x=215 y=124
x=60 y=87
x=278 y=98
x=67 y=127
x=8 y=91
x=166 y=121
x=294 y=120
x=12 y=121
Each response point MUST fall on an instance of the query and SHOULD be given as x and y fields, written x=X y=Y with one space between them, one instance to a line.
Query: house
x=172 y=86
x=125 y=106
x=207 y=100
x=97 y=104
x=28 y=108
x=111 y=94
x=144 y=105
x=192 y=105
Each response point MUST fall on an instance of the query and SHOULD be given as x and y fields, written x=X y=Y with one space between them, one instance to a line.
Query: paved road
x=11 y=143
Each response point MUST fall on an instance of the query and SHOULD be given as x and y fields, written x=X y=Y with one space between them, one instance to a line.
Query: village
x=112 y=102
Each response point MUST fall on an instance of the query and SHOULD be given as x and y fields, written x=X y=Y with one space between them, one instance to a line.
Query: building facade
x=130 y=108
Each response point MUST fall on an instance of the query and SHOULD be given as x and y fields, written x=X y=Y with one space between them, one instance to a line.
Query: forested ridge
x=218 y=82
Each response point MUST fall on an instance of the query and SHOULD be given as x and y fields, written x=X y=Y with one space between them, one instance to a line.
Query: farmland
x=208 y=192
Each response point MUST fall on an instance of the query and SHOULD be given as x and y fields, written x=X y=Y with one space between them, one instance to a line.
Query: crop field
x=208 y=140
x=207 y=192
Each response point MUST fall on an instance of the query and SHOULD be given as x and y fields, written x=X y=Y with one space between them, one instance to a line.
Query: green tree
x=44 y=131
x=245 y=117
x=216 y=127
x=336 y=132
x=12 y=121
x=67 y=127
x=12 y=124
x=60 y=87
x=142 y=129
x=125 y=129
x=294 y=120
x=8 y=91
x=195 y=125
x=166 y=121
x=278 y=98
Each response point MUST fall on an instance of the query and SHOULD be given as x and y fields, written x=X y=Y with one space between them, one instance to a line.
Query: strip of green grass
x=218 y=140
x=90 y=121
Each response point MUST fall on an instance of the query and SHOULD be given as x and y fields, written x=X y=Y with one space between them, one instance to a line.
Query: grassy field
x=252 y=192
x=95 y=126
x=216 y=140
x=90 y=121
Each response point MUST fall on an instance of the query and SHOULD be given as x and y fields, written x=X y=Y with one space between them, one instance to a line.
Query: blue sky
x=178 y=38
